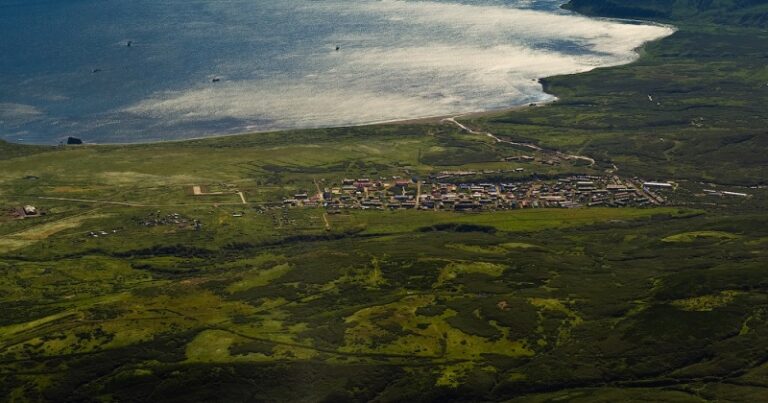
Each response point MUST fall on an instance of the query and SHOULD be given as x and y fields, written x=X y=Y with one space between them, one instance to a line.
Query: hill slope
x=752 y=13
x=692 y=107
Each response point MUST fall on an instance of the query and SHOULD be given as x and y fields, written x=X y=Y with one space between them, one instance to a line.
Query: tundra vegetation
x=129 y=287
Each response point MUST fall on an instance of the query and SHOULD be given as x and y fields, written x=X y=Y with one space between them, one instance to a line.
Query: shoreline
x=427 y=120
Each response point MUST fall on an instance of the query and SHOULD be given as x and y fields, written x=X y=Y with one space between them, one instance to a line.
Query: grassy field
x=132 y=288
x=115 y=294
x=514 y=304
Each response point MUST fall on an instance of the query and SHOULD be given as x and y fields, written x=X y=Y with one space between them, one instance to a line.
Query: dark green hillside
x=693 y=106
x=752 y=13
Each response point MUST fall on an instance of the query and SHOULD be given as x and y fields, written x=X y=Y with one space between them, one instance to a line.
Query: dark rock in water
x=74 y=141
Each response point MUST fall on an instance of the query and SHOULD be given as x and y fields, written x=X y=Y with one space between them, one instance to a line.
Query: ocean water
x=66 y=68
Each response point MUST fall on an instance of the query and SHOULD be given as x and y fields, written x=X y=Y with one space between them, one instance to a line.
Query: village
x=441 y=191
x=436 y=194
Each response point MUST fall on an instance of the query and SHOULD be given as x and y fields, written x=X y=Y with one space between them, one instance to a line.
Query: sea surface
x=208 y=67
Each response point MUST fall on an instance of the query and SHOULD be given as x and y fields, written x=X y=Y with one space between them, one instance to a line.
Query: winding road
x=526 y=145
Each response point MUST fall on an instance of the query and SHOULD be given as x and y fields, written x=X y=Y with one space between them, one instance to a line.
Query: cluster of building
x=101 y=233
x=27 y=211
x=157 y=219
x=568 y=192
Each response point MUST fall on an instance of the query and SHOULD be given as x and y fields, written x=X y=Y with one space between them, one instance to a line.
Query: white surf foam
x=418 y=58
